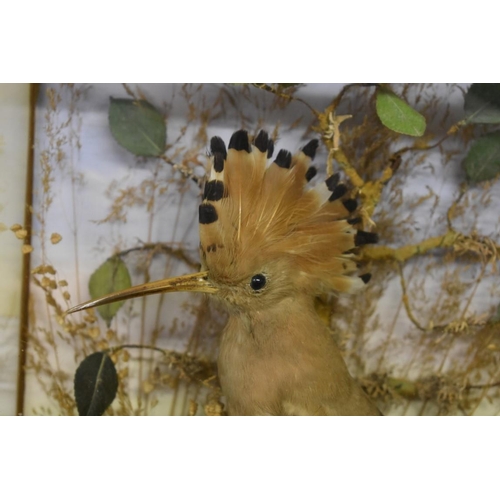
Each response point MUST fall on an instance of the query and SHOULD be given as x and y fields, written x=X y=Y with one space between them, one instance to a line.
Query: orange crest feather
x=253 y=213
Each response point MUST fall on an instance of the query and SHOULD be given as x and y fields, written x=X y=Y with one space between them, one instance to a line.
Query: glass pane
x=421 y=338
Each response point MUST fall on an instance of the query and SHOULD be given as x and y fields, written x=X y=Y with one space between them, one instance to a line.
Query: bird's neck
x=292 y=314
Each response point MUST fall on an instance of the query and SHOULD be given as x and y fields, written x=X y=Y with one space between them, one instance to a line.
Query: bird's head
x=264 y=235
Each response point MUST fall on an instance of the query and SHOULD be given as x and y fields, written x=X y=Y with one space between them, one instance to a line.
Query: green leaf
x=482 y=162
x=137 y=126
x=396 y=115
x=112 y=276
x=95 y=384
x=482 y=103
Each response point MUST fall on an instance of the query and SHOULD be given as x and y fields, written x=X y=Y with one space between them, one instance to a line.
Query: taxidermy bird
x=269 y=245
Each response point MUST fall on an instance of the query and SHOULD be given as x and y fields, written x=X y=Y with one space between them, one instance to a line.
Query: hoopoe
x=269 y=246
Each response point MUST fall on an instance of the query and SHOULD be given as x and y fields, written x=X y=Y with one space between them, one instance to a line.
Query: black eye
x=258 y=282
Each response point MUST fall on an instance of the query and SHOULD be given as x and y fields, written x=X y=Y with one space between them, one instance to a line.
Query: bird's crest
x=253 y=213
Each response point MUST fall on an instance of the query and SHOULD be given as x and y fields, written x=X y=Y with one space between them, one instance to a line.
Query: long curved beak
x=196 y=282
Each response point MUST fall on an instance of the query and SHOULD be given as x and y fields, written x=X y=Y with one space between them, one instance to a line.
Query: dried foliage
x=423 y=339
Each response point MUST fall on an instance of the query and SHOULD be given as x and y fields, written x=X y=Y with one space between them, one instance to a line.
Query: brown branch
x=283 y=95
x=160 y=248
x=191 y=367
x=434 y=388
x=336 y=102
x=185 y=171
x=406 y=252
x=483 y=386
x=406 y=300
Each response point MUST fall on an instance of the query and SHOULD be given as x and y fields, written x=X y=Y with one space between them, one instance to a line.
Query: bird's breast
x=250 y=376
x=286 y=364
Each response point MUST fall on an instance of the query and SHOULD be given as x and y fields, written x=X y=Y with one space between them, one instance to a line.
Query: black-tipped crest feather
x=262 y=141
x=214 y=191
x=218 y=162
x=284 y=159
x=217 y=146
x=338 y=192
x=207 y=213
x=311 y=173
x=364 y=238
x=310 y=148
x=350 y=205
x=332 y=181
x=270 y=148
x=239 y=141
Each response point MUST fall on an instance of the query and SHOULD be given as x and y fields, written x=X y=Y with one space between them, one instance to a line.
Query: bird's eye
x=258 y=282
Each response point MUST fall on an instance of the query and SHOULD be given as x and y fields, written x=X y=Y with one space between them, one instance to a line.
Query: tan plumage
x=269 y=244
